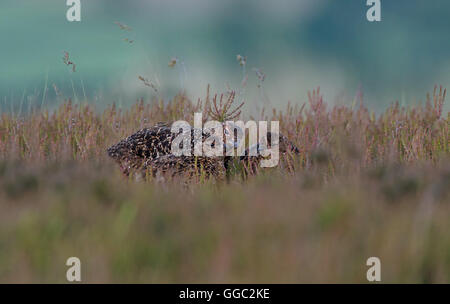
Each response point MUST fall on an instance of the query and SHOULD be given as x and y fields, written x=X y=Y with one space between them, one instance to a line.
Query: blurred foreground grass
x=362 y=186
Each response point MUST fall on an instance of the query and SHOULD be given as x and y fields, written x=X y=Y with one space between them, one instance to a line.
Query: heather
x=364 y=184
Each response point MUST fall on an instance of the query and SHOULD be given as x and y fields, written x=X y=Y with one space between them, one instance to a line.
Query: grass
x=363 y=185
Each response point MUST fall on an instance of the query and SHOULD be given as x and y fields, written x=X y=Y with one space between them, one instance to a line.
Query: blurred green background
x=298 y=44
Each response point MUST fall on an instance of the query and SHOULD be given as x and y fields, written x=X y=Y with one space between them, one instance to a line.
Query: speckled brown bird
x=149 y=151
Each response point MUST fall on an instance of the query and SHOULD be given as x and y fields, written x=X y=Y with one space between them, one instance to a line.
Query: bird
x=149 y=151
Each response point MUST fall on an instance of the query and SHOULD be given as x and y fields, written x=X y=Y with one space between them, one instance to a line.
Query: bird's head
x=284 y=144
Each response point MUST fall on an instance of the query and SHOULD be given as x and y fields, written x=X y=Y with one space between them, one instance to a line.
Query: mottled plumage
x=148 y=151
x=141 y=150
x=148 y=143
